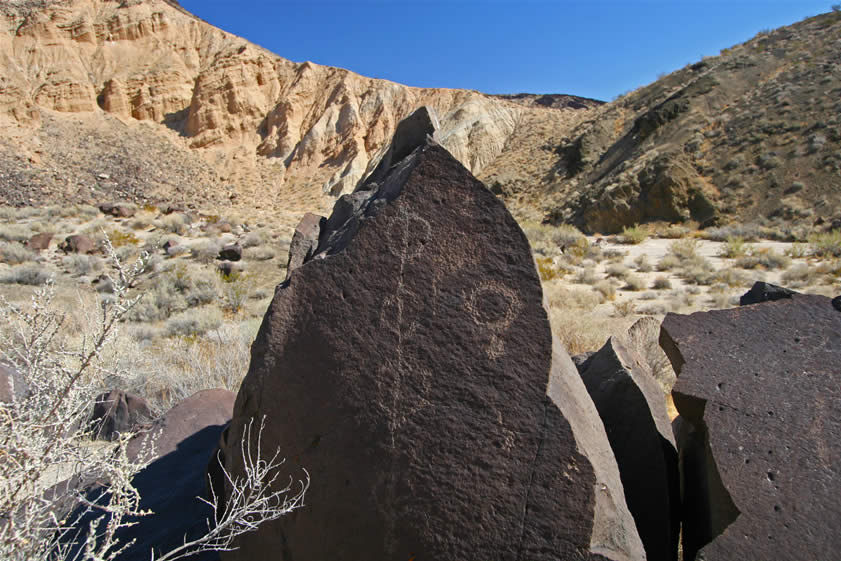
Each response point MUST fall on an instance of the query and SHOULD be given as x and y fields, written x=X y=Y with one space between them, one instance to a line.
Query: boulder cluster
x=407 y=363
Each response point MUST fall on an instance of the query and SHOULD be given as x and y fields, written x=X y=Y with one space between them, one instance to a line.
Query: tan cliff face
x=171 y=108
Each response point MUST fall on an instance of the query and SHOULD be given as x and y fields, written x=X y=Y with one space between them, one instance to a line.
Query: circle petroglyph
x=493 y=306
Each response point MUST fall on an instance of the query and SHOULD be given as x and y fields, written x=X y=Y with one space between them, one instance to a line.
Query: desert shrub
x=587 y=275
x=206 y=251
x=668 y=262
x=140 y=223
x=177 y=223
x=728 y=277
x=565 y=235
x=178 y=250
x=194 y=322
x=624 y=308
x=252 y=239
x=546 y=268
x=642 y=264
x=15 y=253
x=634 y=283
x=797 y=250
x=770 y=259
x=661 y=283
x=79 y=265
x=614 y=255
x=800 y=275
x=826 y=244
x=27 y=274
x=160 y=299
x=633 y=235
x=734 y=248
x=617 y=270
x=15 y=232
x=684 y=249
x=747 y=232
x=830 y=270
x=606 y=288
x=259 y=254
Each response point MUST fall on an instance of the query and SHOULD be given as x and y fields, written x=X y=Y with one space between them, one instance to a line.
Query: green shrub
x=826 y=244
x=634 y=235
x=734 y=248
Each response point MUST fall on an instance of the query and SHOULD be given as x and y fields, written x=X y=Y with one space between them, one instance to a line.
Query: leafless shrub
x=15 y=253
x=27 y=274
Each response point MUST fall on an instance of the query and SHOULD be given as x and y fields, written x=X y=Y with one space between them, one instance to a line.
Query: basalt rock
x=409 y=367
x=764 y=292
x=632 y=406
x=77 y=243
x=304 y=241
x=758 y=392
x=230 y=252
x=39 y=242
x=117 y=411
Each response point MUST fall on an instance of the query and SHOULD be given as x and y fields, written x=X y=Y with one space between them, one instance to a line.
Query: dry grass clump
x=661 y=282
x=570 y=312
x=27 y=274
x=15 y=253
x=799 y=276
x=259 y=254
x=120 y=238
x=206 y=251
x=617 y=270
x=826 y=244
x=252 y=239
x=176 y=223
x=15 y=232
x=633 y=235
x=734 y=248
x=546 y=268
x=586 y=275
x=642 y=264
x=797 y=250
x=668 y=262
x=79 y=265
x=764 y=257
x=634 y=283
x=606 y=288
x=684 y=249
x=745 y=232
x=192 y=323
x=624 y=308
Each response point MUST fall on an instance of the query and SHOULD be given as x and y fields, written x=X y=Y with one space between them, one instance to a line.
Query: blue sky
x=590 y=48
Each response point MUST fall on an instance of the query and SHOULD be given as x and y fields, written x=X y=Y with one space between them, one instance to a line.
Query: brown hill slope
x=138 y=99
x=750 y=135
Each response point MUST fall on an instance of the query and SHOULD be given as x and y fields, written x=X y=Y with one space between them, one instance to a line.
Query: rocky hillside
x=138 y=99
x=750 y=135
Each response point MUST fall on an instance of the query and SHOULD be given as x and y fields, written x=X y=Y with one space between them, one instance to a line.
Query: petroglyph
x=493 y=306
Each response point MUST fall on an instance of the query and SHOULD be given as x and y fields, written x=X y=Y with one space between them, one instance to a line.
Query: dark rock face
x=118 y=210
x=764 y=292
x=231 y=252
x=632 y=407
x=77 y=243
x=304 y=241
x=405 y=366
x=759 y=386
x=117 y=411
x=39 y=242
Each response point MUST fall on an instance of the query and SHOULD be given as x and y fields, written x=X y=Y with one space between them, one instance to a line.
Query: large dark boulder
x=632 y=407
x=116 y=412
x=230 y=252
x=118 y=210
x=78 y=243
x=39 y=242
x=758 y=392
x=764 y=292
x=409 y=367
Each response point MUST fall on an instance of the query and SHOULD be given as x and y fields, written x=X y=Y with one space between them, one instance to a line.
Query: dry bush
x=206 y=251
x=735 y=247
x=642 y=264
x=606 y=288
x=78 y=265
x=661 y=283
x=684 y=249
x=617 y=270
x=252 y=239
x=745 y=232
x=193 y=322
x=26 y=274
x=176 y=223
x=15 y=232
x=587 y=275
x=15 y=253
x=799 y=276
x=826 y=244
x=259 y=254
x=624 y=308
x=546 y=268
x=634 y=283
x=570 y=312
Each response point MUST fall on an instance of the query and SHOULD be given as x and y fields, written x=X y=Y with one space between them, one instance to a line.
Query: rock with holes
x=633 y=408
x=759 y=392
x=409 y=367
